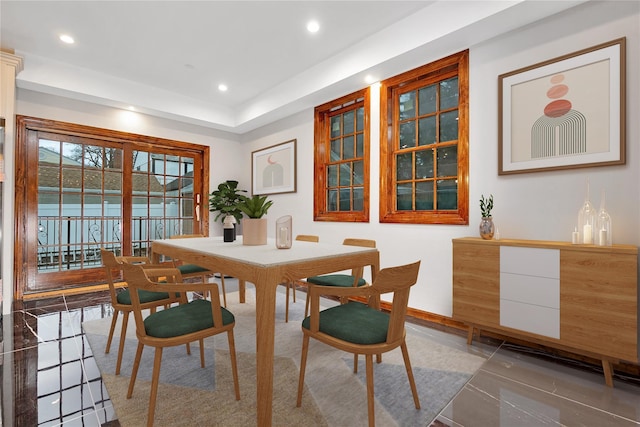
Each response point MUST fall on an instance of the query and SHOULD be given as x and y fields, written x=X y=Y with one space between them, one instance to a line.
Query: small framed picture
x=273 y=169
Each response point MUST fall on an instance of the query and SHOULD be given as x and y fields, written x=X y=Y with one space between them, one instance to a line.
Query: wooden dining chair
x=193 y=270
x=292 y=284
x=340 y=279
x=121 y=301
x=177 y=325
x=359 y=328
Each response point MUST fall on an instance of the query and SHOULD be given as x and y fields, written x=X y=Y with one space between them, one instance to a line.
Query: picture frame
x=564 y=113
x=273 y=169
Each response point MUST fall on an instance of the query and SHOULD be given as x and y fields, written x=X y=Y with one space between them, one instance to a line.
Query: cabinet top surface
x=630 y=249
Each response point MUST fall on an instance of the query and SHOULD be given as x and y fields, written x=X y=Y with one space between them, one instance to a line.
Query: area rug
x=333 y=396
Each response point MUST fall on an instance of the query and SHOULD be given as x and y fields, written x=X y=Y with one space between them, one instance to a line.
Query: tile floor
x=49 y=377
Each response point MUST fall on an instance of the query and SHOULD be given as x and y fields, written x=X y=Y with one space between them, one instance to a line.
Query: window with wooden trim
x=424 y=166
x=341 y=159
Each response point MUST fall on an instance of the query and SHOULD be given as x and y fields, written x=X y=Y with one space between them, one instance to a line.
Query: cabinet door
x=476 y=283
x=599 y=303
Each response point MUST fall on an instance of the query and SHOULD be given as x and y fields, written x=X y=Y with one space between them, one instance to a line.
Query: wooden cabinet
x=579 y=298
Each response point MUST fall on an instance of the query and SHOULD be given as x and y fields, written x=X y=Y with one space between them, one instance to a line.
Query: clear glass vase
x=487 y=228
x=587 y=221
x=283 y=232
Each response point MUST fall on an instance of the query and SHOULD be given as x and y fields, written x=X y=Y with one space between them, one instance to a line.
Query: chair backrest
x=137 y=279
x=366 y=243
x=308 y=238
x=399 y=281
x=110 y=263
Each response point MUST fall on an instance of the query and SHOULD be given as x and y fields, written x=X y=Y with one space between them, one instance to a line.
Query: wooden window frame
x=322 y=139
x=456 y=64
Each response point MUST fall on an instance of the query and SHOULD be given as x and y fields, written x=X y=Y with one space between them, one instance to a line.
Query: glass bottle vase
x=487 y=228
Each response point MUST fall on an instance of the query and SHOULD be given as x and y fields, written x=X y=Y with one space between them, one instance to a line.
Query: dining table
x=266 y=266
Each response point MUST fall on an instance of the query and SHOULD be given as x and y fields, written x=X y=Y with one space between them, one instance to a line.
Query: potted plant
x=225 y=201
x=486 y=223
x=254 y=227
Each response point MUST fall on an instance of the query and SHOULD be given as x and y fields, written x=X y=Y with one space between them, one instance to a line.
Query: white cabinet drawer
x=530 y=261
x=530 y=318
x=540 y=291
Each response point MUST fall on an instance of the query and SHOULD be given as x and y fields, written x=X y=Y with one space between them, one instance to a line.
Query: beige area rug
x=334 y=396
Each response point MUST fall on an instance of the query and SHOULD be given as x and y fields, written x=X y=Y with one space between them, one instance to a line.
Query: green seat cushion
x=353 y=322
x=191 y=269
x=124 y=297
x=183 y=319
x=342 y=280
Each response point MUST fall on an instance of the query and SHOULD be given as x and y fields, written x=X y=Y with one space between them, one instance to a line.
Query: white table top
x=264 y=255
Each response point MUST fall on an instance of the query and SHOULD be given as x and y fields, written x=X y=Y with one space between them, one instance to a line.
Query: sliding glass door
x=89 y=188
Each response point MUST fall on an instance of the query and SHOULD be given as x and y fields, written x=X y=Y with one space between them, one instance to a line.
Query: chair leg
x=134 y=370
x=293 y=287
x=224 y=291
x=407 y=365
x=370 y=400
x=157 y=361
x=202 y=353
x=234 y=363
x=306 y=304
x=355 y=363
x=286 y=304
x=114 y=320
x=303 y=366
x=123 y=338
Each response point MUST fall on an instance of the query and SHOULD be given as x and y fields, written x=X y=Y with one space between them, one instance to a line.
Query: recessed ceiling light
x=131 y=108
x=313 y=26
x=67 y=39
x=368 y=79
x=222 y=87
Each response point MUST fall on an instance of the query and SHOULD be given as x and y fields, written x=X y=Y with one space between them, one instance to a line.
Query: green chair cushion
x=353 y=322
x=145 y=296
x=183 y=319
x=342 y=280
x=191 y=269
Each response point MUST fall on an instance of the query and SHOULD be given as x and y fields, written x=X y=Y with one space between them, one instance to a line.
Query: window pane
x=447 y=194
x=114 y=158
x=360 y=119
x=360 y=145
x=427 y=129
x=403 y=166
x=404 y=197
x=448 y=161
x=345 y=199
x=424 y=164
x=407 y=105
x=449 y=93
x=358 y=199
x=335 y=150
x=332 y=175
x=48 y=152
x=93 y=157
x=358 y=173
x=449 y=126
x=424 y=196
x=335 y=126
x=92 y=181
x=332 y=201
x=141 y=161
x=407 y=135
x=347 y=147
x=348 y=120
x=427 y=100
x=345 y=174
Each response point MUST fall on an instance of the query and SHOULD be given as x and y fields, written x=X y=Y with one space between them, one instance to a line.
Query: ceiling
x=167 y=58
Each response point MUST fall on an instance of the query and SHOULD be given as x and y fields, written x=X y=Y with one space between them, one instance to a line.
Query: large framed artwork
x=567 y=112
x=273 y=169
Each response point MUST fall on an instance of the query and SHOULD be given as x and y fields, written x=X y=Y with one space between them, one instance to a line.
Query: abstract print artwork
x=564 y=113
x=274 y=169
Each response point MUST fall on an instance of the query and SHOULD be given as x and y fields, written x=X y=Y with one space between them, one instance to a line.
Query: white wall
x=539 y=206
x=528 y=206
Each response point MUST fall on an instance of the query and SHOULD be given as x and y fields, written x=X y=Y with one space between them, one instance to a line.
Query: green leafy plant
x=486 y=205
x=225 y=200
x=255 y=206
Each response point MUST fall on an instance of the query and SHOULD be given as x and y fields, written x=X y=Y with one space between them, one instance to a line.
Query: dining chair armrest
x=133 y=259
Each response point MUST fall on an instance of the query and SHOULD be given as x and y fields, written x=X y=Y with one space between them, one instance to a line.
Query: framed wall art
x=273 y=169
x=567 y=112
